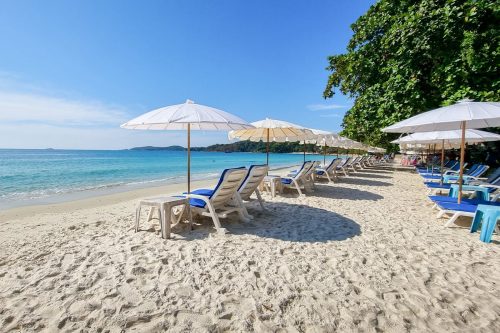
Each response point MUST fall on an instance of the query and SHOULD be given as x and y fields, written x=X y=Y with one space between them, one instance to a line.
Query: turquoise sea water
x=43 y=175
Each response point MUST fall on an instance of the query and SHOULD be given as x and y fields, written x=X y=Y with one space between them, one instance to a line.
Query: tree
x=410 y=56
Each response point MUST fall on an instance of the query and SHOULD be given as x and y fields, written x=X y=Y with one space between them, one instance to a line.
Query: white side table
x=164 y=206
x=272 y=184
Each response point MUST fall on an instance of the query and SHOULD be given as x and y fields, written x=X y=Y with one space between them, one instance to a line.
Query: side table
x=164 y=206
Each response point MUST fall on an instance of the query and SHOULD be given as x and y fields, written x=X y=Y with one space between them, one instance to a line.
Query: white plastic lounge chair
x=352 y=165
x=250 y=184
x=330 y=171
x=309 y=176
x=343 y=166
x=359 y=163
x=299 y=180
x=222 y=200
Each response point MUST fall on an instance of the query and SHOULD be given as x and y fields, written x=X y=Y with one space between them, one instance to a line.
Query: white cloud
x=34 y=107
x=323 y=107
x=331 y=115
x=32 y=117
x=40 y=136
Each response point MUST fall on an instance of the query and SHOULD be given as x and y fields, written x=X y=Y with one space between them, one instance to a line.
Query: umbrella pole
x=442 y=161
x=267 y=148
x=189 y=157
x=432 y=159
x=462 y=157
x=304 y=151
x=324 y=155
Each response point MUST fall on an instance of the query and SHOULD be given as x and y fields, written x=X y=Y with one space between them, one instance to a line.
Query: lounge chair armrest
x=197 y=196
x=489 y=185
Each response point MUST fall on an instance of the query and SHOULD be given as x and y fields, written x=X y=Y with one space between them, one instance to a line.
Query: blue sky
x=72 y=71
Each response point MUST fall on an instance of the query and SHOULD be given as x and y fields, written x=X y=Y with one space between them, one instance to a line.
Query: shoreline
x=93 y=199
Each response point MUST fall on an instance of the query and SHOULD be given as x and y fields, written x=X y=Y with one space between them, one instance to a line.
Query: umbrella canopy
x=272 y=130
x=475 y=114
x=462 y=115
x=187 y=116
x=276 y=130
x=322 y=138
x=455 y=136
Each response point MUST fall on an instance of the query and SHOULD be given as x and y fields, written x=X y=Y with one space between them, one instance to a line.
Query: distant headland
x=241 y=146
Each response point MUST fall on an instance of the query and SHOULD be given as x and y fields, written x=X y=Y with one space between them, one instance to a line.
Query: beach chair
x=455 y=166
x=481 y=193
x=436 y=168
x=222 y=200
x=343 y=166
x=492 y=179
x=470 y=176
x=352 y=165
x=437 y=176
x=458 y=210
x=370 y=161
x=359 y=162
x=250 y=184
x=310 y=176
x=330 y=171
x=299 y=180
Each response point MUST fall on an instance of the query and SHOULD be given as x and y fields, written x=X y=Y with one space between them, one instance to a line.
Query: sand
x=363 y=255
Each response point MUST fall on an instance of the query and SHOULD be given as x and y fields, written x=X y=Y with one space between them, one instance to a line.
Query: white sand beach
x=365 y=254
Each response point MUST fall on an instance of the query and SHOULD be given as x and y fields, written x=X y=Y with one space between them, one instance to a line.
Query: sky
x=72 y=71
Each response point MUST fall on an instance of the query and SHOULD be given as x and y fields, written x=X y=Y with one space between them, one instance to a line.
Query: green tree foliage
x=249 y=146
x=410 y=56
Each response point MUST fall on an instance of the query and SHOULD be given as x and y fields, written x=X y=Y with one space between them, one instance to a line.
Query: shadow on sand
x=362 y=181
x=339 y=192
x=370 y=174
x=283 y=221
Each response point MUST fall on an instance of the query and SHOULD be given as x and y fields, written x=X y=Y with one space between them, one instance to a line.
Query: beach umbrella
x=187 y=116
x=321 y=138
x=447 y=138
x=461 y=115
x=272 y=130
x=455 y=136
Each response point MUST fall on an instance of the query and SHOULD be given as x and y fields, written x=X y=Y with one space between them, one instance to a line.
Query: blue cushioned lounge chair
x=298 y=180
x=222 y=200
x=250 y=184
x=330 y=171
x=457 y=210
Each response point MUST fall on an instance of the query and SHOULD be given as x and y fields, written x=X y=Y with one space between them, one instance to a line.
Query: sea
x=44 y=176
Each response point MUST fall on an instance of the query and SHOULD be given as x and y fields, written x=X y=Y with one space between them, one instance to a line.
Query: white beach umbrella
x=455 y=136
x=450 y=139
x=272 y=130
x=462 y=115
x=321 y=138
x=187 y=116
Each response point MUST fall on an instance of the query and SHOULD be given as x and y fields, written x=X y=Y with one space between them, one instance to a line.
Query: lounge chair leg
x=215 y=218
x=242 y=211
x=259 y=199
x=452 y=220
x=137 y=217
x=328 y=176
x=160 y=216
x=440 y=214
x=297 y=187
x=151 y=212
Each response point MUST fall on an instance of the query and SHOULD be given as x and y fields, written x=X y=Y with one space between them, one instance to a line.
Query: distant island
x=169 y=148
x=245 y=146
